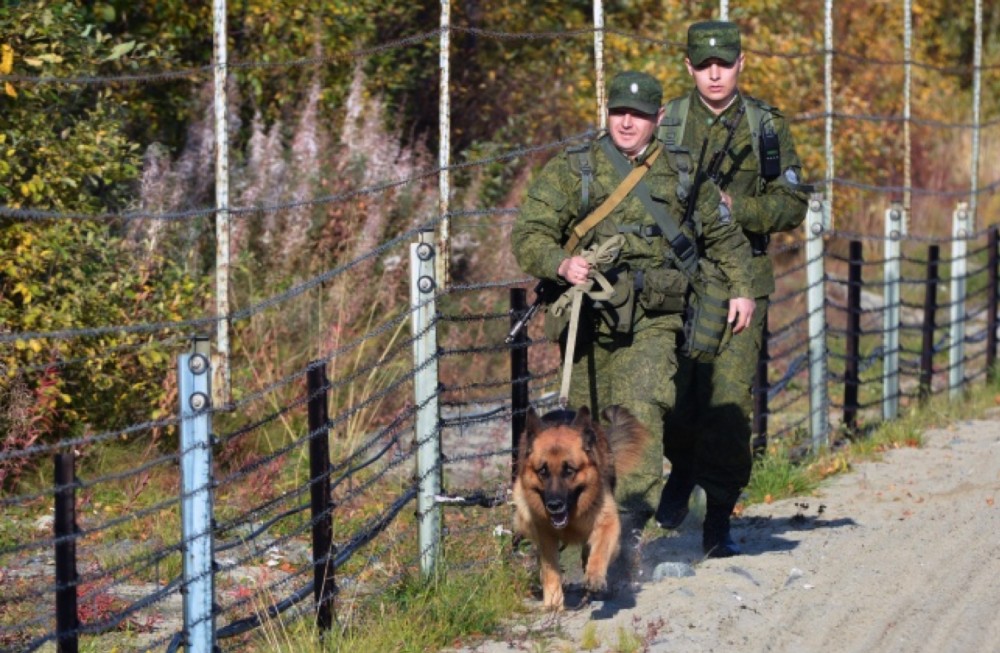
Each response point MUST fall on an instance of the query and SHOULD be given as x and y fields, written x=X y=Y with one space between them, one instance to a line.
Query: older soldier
x=708 y=438
x=624 y=351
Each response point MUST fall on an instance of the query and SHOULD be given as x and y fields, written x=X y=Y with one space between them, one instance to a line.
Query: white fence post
x=423 y=290
x=194 y=372
x=221 y=360
x=960 y=231
x=895 y=228
x=602 y=113
x=444 y=148
x=817 y=223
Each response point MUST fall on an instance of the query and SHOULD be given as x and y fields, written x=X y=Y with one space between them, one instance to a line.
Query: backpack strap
x=671 y=128
x=581 y=162
x=683 y=251
x=760 y=119
x=671 y=133
x=755 y=118
x=633 y=178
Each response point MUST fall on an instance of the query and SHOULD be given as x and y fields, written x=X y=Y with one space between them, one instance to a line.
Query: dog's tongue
x=560 y=520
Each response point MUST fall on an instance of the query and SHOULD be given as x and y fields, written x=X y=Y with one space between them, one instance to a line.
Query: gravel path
x=898 y=555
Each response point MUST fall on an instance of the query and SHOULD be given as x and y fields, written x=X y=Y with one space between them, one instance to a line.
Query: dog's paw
x=553 y=600
x=595 y=584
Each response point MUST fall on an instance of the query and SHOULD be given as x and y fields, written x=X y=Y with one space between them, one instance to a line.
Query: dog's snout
x=555 y=505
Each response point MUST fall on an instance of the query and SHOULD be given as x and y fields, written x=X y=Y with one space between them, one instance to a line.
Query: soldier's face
x=632 y=130
x=716 y=81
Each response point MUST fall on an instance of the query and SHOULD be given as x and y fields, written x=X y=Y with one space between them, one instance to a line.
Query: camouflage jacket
x=759 y=206
x=553 y=206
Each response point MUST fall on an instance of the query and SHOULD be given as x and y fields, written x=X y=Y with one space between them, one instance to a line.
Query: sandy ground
x=899 y=555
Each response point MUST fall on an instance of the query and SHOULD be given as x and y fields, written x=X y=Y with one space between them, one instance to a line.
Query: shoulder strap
x=607 y=206
x=684 y=252
x=755 y=117
x=671 y=130
x=580 y=162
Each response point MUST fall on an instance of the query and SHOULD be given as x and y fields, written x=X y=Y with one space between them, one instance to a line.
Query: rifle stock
x=546 y=292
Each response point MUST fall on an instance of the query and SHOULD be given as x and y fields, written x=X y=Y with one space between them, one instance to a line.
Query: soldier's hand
x=575 y=270
x=741 y=312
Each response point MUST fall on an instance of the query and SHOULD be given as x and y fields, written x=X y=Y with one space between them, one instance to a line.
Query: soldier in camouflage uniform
x=625 y=350
x=707 y=440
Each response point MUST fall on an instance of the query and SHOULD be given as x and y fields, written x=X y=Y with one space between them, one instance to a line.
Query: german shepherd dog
x=564 y=490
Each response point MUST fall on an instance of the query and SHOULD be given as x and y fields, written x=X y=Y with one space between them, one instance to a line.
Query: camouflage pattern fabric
x=713 y=39
x=712 y=435
x=634 y=368
x=710 y=429
x=777 y=206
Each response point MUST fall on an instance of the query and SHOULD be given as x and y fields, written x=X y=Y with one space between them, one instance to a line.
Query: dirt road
x=899 y=555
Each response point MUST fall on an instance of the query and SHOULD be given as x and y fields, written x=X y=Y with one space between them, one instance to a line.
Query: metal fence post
x=817 y=223
x=518 y=375
x=194 y=372
x=67 y=619
x=853 y=345
x=423 y=289
x=961 y=229
x=895 y=228
x=319 y=492
x=221 y=359
x=993 y=260
x=929 y=325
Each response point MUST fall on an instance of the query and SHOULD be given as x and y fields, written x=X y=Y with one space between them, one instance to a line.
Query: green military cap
x=713 y=39
x=635 y=90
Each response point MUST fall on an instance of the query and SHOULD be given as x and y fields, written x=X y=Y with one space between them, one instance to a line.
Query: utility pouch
x=706 y=328
x=619 y=311
x=663 y=290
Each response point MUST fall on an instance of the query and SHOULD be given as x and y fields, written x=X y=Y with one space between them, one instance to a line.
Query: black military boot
x=716 y=540
x=674 y=499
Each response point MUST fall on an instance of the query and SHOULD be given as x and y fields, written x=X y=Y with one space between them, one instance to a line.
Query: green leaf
x=119 y=51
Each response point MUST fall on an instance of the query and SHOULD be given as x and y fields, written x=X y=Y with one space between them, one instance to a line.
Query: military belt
x=644 y=230
x=682 y=246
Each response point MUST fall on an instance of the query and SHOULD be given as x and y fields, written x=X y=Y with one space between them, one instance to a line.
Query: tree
x=67 y=151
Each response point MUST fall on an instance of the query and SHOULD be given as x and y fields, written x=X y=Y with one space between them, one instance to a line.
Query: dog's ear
x=532 y=427
x=585 y=424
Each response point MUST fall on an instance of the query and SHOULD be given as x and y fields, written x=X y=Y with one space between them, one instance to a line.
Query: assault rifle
x=546 y=292
x=713 y=170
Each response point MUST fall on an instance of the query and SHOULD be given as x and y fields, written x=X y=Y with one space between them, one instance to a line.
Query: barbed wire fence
x=340 y=507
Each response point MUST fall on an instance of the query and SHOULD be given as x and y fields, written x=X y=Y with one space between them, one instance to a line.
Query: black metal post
x=930 y=309
x=853 y=345
x=991 y=310
x=319 y=489
x=761 y=388
x=518 y=375
x=67 y=619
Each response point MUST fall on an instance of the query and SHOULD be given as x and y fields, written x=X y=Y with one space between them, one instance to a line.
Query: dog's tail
x=627 y=437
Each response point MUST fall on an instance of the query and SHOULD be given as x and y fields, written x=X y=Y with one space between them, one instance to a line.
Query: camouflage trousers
x=709 y=433
x=636 y=371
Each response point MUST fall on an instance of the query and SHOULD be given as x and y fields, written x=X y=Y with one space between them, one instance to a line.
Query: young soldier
x=619 y=352
x=707 y=439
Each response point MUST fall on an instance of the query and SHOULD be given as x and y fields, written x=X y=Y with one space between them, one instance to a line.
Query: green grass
x=453 y=606
x=780 y=474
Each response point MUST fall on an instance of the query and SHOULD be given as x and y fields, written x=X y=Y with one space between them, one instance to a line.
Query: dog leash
x=600 y=255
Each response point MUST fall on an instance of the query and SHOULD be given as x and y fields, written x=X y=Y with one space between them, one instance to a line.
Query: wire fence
x=116 y=564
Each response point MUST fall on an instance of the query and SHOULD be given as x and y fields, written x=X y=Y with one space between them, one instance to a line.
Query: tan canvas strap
x=606 y=207
x=572 y=299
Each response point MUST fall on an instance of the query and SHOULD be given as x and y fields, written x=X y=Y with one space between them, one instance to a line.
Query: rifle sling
x=684 y=252
x=633 y=177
